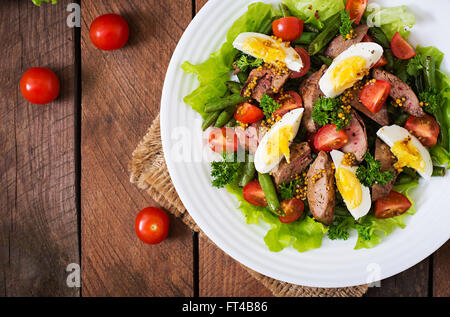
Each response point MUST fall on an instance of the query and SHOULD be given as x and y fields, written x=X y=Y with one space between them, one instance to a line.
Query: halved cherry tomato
x=39 y=85
x=374 y=95
x=400 y=48
x=109 y=32
x=289 y=100
x=356 y=9
x=425 y=128
x=152 y=225
x=392 y=205
x=248 y=113
x=254 y=194
x=293 y=209
x=223 y=139
x=310 y=139
x=382 y=61
x=306 y=60
x=289 y=28
x=328 y=138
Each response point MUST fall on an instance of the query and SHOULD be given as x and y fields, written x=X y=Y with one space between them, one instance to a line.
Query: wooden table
x=65 y=196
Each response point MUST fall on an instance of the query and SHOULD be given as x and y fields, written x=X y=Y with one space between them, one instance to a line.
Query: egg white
x=370 y=52
x=395 y=133
x=292 y=118
x=366 y=202
x=292 y=60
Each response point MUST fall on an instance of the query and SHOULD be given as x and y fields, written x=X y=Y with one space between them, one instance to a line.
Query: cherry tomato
x=109 y=32
x=254 y=194
x=293 y=209
x=400 y=48
x=425 y=128
x=382 y=61
x=152 y=225
x=289 y=100
x=289 y=28
x=328 y=138
x=248 y=113
x=39 y=85
x=392 y=205
x=310 y=139
x=356 y=9
x=306 y=59
x=374 y=95
x=223 y=139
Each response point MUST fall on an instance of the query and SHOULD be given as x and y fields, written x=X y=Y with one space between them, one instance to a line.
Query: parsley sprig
x=340 y=227
x=432 y=100
x=245 y=62
x=288 y=189
x=224 y=172
x=346 y=24
x=268 y=105
x=372 y=174
x=329 y=111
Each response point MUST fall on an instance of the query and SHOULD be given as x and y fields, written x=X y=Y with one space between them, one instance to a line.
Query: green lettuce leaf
x=394 y=19
x=303 y=235
x=38 y=2
x=215 y=71
x=305 y=9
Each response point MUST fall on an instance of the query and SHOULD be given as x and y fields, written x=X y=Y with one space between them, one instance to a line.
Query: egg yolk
x=407 y=155
x=264 y=49
x=278 y=145
x=349 y=187
x=347 y=72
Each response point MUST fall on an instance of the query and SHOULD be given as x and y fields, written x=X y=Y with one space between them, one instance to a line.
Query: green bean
x=224 y=102
x=265 y=180
x=210 y=119
x=326 y=35
x=438 y=171
x=284 y=10
x=429 y=71
x=248 y=172
x=306 y=38
x=242 y=76
x=310 y=28
x=379 y=37
x=234 y=87
x=326 y=60
x=225 y=116
x=231 y=123
x=267 y=27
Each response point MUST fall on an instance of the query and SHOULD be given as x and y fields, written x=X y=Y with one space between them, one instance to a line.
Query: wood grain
x=120 y=97
x=38 y=235
x=441 y=271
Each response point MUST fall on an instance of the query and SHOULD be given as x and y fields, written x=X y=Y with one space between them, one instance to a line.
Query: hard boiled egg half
x=356 y=196
x=268 y=49
x=275 y=143
x=349 y=67
x=407 y=149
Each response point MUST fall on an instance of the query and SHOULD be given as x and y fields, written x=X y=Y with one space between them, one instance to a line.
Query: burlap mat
x=149 y=172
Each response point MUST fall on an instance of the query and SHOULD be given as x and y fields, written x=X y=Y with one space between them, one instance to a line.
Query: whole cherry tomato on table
x=109 y=32
x=39 y=85
x=152 y=225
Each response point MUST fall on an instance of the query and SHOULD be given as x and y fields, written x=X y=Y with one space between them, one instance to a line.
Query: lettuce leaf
x=215 y=71
x=303 y=235
x=394 y=19
x=305 y=9
x=38 y=2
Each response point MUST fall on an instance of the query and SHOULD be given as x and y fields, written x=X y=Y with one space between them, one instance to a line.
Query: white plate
x=336 y=263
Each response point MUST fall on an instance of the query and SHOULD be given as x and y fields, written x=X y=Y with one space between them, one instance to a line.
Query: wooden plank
x=38 y=236
x=413 y=282
x=121 y=96
x=441 y=271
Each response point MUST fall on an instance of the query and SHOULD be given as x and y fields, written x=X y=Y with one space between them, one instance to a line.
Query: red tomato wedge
x=39 y=85
x=356 y=9
x=293 y=209
x=223 y=139
x=289 y=100
x=328 y=138
x=306 y=60
x=392 y=205
x=374 y=94
x=254 y=194
x=289 y=28
x=382 y=61
x=400 y=48
x=152 y=225
x=425 y=128
x=248 y=113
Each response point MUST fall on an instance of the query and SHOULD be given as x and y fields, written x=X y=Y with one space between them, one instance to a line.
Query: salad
x=324 y=120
